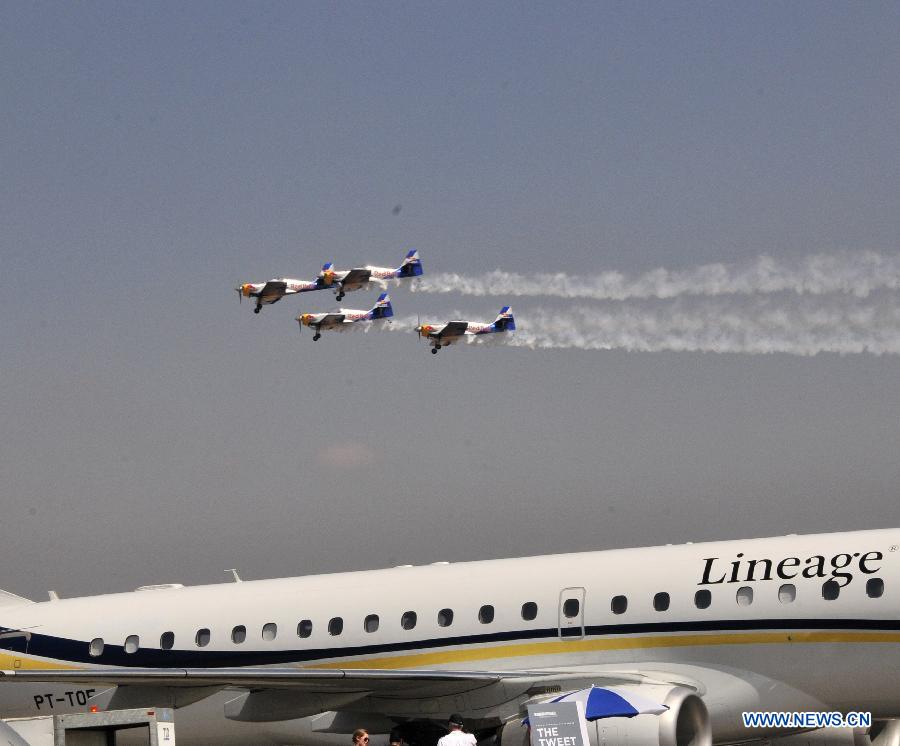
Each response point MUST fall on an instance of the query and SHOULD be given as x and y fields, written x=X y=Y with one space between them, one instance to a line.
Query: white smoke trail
x=842 y=325
x=852 y=273
x=398 y=324
x=800 y=326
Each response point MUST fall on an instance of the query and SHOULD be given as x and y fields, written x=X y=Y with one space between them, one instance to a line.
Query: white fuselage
x=769 y=616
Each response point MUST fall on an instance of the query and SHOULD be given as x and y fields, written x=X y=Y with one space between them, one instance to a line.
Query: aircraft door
x=571 y=613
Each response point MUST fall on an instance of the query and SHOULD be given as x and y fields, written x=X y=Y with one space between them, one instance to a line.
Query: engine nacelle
x=686 y=723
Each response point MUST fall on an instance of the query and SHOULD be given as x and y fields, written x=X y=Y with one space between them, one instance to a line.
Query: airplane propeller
x=240 y=292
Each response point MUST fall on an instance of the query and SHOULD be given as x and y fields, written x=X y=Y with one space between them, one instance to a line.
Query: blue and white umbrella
x=611 y=702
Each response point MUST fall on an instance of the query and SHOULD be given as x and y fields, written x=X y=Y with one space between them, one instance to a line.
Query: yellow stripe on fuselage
x=536 y=649
x=21 y=662
x=557 y=647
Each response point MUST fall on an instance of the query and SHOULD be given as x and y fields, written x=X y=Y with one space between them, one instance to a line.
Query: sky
x=692 y=208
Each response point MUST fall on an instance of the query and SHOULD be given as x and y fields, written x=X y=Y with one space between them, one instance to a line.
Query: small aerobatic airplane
x=345 y=318
x=273 y=291
x=442 y=335
x=345 y=280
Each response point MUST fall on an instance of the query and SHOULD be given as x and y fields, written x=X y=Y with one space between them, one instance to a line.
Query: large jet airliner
x=794 y=623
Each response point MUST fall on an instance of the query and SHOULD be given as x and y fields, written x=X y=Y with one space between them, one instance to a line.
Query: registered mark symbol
x=893 y=548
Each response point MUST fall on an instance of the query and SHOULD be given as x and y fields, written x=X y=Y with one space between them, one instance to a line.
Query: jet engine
x=686 y=723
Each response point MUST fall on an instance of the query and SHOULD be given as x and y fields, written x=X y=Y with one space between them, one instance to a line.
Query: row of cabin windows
x=408 y=621
x=787 y=593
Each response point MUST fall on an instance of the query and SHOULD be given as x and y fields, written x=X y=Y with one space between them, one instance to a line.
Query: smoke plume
x=842 y=325
x=756 y=325
x=850 y=273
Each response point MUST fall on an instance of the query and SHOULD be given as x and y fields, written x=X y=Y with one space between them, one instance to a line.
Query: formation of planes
x=347 y=280
x=340 y=280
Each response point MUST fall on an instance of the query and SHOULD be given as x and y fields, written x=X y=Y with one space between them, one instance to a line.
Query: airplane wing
x=331 y=320
x=452 y=329
x=285 y=693
x=273 y=291
x=424 y=682
x=356 y=278
x=310 y=679
x=263 y=694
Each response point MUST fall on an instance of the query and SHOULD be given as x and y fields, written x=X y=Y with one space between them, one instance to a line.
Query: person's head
x=455 y=722
x=360 y=737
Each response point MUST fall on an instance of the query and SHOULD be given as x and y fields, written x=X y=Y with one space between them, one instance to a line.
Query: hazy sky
x=154 y=156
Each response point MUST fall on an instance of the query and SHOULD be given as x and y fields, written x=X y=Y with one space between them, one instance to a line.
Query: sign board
x=165 y=734
x=558 y=724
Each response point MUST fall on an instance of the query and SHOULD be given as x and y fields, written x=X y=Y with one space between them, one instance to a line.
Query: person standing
x=360 y=737
x=457 y=736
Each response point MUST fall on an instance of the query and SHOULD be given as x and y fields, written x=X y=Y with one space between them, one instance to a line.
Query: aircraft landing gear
x=434 y=350
x=257 y=309
x=316 y=337
x=340 y=296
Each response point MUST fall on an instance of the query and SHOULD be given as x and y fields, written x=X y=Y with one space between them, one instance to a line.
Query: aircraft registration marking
x=49 y=700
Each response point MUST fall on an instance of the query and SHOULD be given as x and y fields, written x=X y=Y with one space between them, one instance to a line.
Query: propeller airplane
x=344 y=319
x=443 y=335
x=343 y=281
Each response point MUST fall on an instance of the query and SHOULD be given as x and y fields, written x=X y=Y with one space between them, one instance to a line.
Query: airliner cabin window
x=830 y=590
x=371 y=623
x=304 y=628
x=167 y=640
x=486 y=614
x=571 y=607
x=202 y=638
x=787 y=593
x=132 y=642
x=618 y=604
x=661 y=601
x=269 y=631
x=445 y=617
x=239 y=634
x=744 y=595
x=874 y=587
x=702 y=598
x=408 y=620
x=335 y=626
x=96 y=647
x=529 y=611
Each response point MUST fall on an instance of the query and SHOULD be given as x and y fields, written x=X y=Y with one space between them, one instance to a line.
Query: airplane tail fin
x=382 y=308
x=505 y=321
x=411 y=267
